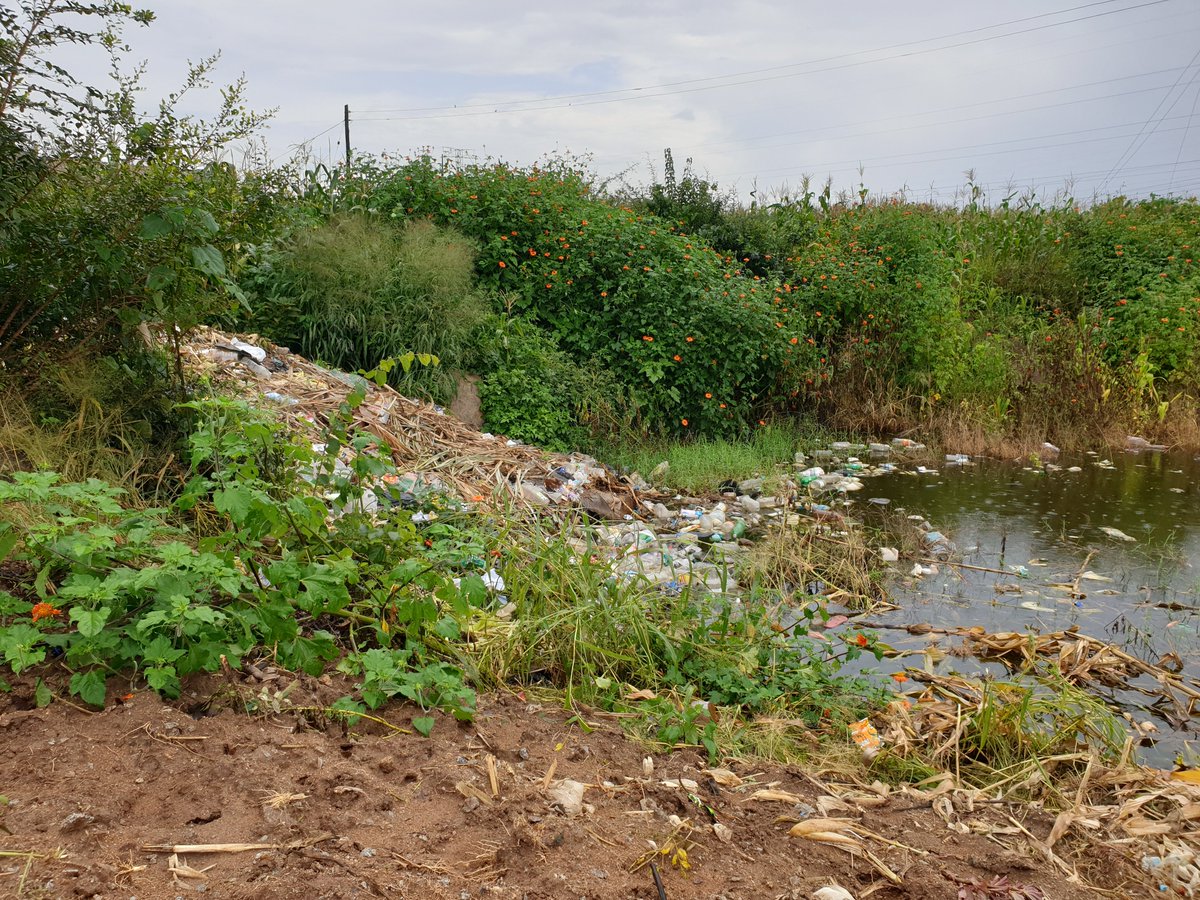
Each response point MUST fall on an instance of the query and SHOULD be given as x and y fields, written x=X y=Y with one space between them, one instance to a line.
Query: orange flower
x=44 y=611
x=647 y=338
x=689 y=339
x=683 y=422
x=677 y=358
x=503 y=265
x=604 y=293
x=899 y=677
x=861 y=640
x=707 y=396
x=795 y=340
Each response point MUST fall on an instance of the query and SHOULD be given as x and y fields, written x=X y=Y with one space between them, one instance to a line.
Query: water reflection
x=1141 y=594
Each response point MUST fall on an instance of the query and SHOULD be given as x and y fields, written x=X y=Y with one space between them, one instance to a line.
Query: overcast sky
x=1028 y=92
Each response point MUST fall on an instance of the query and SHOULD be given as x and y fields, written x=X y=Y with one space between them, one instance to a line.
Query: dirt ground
x=376 y=813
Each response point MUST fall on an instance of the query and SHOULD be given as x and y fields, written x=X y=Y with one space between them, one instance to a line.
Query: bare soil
x=371 y=812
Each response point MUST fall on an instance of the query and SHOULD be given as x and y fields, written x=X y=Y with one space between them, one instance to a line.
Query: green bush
x=356 y=290
x=534 y=392
x=109 y=219
x=694 y=340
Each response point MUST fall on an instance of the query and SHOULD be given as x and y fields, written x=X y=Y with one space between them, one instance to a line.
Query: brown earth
x=371 y=812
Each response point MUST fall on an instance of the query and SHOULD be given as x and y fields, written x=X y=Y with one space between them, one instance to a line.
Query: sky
x=1092 y=97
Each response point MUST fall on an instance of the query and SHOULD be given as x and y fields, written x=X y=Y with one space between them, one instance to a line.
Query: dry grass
x=789 y=559
x=96 y=436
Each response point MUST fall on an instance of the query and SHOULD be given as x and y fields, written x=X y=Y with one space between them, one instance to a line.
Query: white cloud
x=905 y=110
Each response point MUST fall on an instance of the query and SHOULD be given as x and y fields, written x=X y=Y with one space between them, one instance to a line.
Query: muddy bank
x=480 y=809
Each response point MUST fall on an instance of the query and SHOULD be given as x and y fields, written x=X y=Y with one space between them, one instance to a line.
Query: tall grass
x=700 y=466
x=84 y=421
x=357 y=290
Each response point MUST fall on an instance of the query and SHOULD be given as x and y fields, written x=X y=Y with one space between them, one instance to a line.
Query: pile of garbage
x=670 y=540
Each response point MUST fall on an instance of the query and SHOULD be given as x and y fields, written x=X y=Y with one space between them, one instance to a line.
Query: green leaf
x=350 y=706
x=89 y=686
x=90 y=622
x=424 y=724
x=159 y=277
x=448 y=628
x=234 y=502
x=164 y=680
x=8 y=540
x=18 y=643
x=42 y=695
x=155 y=226
x=208 y=260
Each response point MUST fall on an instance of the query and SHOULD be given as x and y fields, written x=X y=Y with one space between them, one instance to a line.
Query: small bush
x=534 y=392
x=356 y=290
x=694 y=340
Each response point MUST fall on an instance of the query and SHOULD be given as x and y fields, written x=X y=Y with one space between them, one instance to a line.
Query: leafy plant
x=357 y=290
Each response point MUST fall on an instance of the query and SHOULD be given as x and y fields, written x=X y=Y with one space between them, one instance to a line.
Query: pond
x=1124 y=531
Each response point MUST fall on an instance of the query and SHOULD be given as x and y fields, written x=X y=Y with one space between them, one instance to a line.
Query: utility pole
x=346 y=116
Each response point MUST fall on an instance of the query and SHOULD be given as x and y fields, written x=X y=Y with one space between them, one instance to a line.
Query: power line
x=309 y=140
x=1154 y=128
x=746 y=81
x=900 y=157
x=1127 y=155
x=1009 y=112
x=973 y=105
x=1183 y=139
x=744 y=72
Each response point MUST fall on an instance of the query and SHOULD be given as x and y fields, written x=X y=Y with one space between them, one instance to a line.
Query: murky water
x=1142 y=594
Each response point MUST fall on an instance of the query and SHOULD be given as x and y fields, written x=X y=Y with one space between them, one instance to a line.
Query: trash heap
x=671 y=541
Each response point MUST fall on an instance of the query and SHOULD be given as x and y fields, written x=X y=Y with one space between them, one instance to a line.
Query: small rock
x=386 y=765
x=75 y=821
x=833 y=892
x=368 y=852
x=471 y=805
x=567 y=797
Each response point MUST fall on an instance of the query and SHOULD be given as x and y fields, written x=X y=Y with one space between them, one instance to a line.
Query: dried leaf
x=724 y=777
x=808 y=826
x=777 y=796
x=643 y=694
x=1062 y=824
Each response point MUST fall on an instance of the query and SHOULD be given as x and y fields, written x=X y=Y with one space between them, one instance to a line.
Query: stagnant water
x=1049 y=524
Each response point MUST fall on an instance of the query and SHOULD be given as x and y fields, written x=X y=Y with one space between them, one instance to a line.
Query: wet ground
x=1123 y=531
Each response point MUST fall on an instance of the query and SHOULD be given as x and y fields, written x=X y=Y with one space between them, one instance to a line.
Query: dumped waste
x=669 y=540
x=674 y=542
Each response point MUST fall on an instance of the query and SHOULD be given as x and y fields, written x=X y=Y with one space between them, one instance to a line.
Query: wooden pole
x=346 y=120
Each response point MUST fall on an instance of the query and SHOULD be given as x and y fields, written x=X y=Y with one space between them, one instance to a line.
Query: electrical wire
x=745 y=81
x=973 y=105
x=1127 y=155
x=747 y=71
x=1183 y=139
x=900 y=158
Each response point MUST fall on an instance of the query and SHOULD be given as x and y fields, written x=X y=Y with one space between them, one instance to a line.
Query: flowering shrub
x=693 y=337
